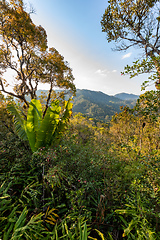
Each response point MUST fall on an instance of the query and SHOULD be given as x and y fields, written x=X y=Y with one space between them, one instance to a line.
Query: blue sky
x=73 y=28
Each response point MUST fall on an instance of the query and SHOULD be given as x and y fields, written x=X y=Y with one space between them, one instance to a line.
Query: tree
x=133 y=23
x=137 y=129
x=5 y=118
x=24 y=53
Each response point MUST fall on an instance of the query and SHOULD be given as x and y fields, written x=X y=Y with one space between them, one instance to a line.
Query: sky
x=73 y=28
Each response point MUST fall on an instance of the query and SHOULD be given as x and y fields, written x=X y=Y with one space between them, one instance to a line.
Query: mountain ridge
x=126 y=96
x=98 y=105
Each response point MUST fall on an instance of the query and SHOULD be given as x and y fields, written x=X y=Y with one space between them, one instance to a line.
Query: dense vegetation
x=103 y=177
x=64 y=177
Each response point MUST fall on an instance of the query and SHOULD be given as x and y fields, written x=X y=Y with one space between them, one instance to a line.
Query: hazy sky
x=73 y=28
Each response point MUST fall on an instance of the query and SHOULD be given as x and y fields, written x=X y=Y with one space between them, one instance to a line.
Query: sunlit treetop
x=17 y=27
x=131 y=23
x=24 y=51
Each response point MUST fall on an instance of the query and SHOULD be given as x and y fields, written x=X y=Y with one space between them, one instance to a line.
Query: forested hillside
x=97 y=105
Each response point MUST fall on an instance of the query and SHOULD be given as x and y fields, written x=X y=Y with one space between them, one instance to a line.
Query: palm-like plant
x=41 y=131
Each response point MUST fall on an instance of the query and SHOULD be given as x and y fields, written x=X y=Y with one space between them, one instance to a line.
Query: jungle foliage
x=74 y=178
x=100 y=181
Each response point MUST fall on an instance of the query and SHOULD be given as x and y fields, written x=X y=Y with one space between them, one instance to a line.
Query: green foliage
x=140 y=67
x=41 y=132
x=138 y=222
x=77 y=230
x=33 y=123
x=19 y=121
x=98 y=182
x=14 y=221
x=24 y=51
x=98 y=105
x=140 y=131
x=133 y=24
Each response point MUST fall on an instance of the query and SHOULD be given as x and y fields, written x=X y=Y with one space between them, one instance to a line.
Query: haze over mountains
x=126 y=96
x=99 y=105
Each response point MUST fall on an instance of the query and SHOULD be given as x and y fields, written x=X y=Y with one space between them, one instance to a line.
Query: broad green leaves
x=34 y=119
x=48 y=126
x=39 y=131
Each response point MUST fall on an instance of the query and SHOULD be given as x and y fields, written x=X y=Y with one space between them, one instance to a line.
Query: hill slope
x=98 y=105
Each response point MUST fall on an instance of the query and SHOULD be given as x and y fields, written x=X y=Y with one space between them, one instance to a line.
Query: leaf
x=130 y=227
x=51 y=222
x=33 y=227
x=48 y=125
x=63 y=122
x=66 y=227
x=4 y=197
x=100 y=234
x=21 y=220
x=19 y=121
x=85 y=234
x=51 y=218
x=34 y=119
x=126 y=211
x=6 y=235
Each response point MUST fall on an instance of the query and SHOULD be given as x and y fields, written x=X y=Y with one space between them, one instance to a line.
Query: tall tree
x=25 y=55
x=132 y=23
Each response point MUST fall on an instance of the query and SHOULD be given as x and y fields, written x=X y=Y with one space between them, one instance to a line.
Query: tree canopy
x=131 y=23
x=25 y=54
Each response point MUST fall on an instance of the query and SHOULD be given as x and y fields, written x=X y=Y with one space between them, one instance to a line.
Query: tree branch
x=21 y=97
x=49 y=97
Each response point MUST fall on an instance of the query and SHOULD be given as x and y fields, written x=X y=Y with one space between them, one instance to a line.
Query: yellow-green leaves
x=24 y=51
x=38 y=130
x=34 y=120
x=132 y=23
x=17 y=27
x=48 y=125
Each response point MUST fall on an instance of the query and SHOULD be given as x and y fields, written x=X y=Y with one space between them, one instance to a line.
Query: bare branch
x=49 y=97
x=12 y=94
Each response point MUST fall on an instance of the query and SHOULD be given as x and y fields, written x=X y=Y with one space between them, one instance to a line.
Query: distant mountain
x=98 y=105
x=126 y=96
